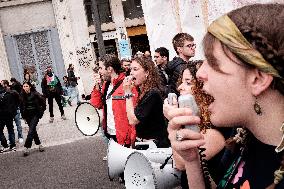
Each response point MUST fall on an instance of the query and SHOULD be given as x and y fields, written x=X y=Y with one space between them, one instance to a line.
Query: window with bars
x=104 y=11
x=132 y=9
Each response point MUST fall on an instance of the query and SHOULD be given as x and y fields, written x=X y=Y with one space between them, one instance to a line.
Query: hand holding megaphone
x=128 y=84
x=188 y=101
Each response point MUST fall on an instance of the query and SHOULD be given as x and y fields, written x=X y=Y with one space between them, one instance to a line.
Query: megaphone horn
x=139 y=172
x=87 y=119
x=117 y=156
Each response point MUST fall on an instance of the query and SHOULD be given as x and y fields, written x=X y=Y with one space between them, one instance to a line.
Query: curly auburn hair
x=202 y=99
x=153 y=79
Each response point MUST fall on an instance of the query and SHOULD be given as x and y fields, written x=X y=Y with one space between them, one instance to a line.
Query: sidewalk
x=56 y=133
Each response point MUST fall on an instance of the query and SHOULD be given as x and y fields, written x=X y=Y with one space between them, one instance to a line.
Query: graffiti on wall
x=85 y=56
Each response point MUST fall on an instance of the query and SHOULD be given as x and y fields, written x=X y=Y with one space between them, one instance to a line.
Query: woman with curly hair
x=244 y=73
x=188 y=84
x=148 y=114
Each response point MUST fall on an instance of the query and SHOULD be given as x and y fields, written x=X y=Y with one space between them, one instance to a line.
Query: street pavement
x=70 y=160
x=76 y=165
x=56 y=133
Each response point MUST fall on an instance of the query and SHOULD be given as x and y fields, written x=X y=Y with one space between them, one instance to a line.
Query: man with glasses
x=185 y=48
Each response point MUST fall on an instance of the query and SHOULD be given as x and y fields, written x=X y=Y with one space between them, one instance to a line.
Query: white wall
x=165 y=18
x=17 y=19
x=84 y=52
x=5 y=70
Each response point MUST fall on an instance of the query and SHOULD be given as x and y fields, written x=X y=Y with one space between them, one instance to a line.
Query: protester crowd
x=22 y=101
x=239 y=91
x=238 y=88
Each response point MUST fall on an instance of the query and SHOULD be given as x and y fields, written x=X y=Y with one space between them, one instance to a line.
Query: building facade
x=35 y=34
x=119 y=17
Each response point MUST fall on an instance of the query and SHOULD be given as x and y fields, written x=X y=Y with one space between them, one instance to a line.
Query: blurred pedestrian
x=52 y=89
x=73 y=89
x=161 y=58
x=65 y=87
x=16 y=85
x=32 y=108
x=9 y=102
x=125 y=64
x=147 y=54
x=28 y=77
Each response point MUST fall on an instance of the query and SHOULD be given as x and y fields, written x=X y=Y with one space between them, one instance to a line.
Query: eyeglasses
x=193 y=45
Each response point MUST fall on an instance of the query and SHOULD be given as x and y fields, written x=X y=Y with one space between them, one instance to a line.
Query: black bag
x=42 y=104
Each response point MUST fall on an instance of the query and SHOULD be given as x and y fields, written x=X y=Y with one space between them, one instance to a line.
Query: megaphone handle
x=166 y=161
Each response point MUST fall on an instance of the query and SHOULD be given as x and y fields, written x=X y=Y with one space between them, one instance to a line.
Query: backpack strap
x=114 y=88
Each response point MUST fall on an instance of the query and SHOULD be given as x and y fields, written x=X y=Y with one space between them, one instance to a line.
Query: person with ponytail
x=244 y=73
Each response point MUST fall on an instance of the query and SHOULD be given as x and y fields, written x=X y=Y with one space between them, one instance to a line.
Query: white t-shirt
x=110 y=116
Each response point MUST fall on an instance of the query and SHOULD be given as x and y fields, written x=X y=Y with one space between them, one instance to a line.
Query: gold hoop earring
x=257 y=107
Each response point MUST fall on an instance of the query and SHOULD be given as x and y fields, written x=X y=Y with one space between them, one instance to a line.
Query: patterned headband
x=228 y=33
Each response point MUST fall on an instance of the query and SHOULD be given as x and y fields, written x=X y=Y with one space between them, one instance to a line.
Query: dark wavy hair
x=111 y=60
x=153 y=79
x=31 y=85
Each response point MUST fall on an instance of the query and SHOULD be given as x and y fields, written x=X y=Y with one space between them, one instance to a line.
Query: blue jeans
x=17 y=120
x=74 y=93
x=65 y=91
x=8 y=122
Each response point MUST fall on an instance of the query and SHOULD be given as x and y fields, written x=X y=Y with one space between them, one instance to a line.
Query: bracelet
x=128 y=95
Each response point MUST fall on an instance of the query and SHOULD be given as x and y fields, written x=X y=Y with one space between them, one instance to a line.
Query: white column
x=84 y=52
x=118 y=16
x=5 y=72
x=74 y=38
x=63 y=23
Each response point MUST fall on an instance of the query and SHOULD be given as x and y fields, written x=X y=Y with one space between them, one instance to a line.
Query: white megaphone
x=87 y=119
x=139 y=172
x=117 y=156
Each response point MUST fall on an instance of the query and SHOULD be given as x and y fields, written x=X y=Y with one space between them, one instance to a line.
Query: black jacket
x=174 y=69
x=47 y=92
x=37 y=101
x=9 y=103
x=72 y=78
x=17 y=87
x=164 y=82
